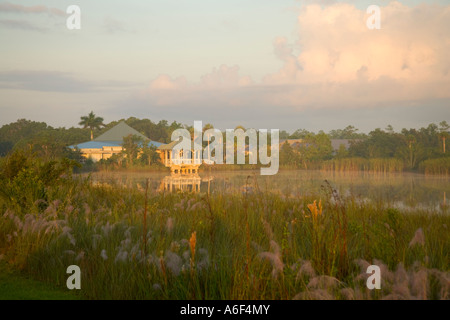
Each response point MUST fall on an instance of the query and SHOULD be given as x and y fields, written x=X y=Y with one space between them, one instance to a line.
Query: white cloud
x=164 y=83
x=342 y=61
x=222 y=85
x=336 y=62
x=225 y=77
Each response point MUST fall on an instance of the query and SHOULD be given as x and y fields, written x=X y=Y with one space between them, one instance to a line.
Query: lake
x=405 y=191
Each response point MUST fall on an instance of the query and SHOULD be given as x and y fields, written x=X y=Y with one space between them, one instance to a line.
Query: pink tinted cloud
x=336 y=61
x=221 y=85
x=17 y=8
x=218 y=78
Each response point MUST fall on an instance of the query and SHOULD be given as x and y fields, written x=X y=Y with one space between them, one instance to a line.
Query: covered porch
x=177 y=161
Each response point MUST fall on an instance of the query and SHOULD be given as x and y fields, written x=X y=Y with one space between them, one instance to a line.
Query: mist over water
x=405 y=191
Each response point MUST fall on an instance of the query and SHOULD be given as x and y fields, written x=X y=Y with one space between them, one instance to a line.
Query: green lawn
x=16 y=286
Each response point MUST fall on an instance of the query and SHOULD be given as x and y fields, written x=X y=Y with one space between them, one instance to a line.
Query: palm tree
x=92 y=122
x=411 y=140
x=207 y=127
x=444 y=133
x=191 y=131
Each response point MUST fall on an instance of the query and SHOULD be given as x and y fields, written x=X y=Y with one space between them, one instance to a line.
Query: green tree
x=300 y=134
x=149 y=154
x=342 y=152
x=411 y=151
x=443 y=133
x=26 y=178
x=284 y=135
x=21 y=131
x=378 y=144
x=5 y=147
x=315 y=148
x=288 y=156
x=349 y=132
x=208 y=126
x=427 y=144
x=131 y=147
x=92 y=122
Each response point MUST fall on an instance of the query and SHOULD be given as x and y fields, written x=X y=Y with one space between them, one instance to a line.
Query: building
x=294 y=143
x=110 y=143
x=335 y=143
x=177 y=161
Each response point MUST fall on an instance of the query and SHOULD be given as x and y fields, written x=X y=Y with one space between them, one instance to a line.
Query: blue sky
x=259 y=63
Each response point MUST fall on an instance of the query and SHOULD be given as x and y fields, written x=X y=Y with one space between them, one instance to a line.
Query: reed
x=439 y=166
x=256 y=244
x=378 y=165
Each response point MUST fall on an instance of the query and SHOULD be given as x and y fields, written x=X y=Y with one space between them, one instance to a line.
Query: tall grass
x=237 y=245
x=379 y=165
x=439 y=166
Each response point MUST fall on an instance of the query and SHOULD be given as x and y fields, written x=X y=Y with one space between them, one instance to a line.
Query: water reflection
x=405 y=191
x=185 y=183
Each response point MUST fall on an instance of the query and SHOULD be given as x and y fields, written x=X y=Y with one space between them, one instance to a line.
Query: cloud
x=223 y=85
x=20 y=24
x=164 y=83
x=225 y=77
x=26 y=25
x=114 y=26
x=54 y=81
x=17 y=8
x=335 y=61
x=333 y=71
x=341 y=61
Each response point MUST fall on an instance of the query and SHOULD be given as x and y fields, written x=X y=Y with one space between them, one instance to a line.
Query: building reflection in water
x=185 y=183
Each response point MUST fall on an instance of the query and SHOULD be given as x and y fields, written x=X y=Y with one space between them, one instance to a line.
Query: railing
x=169 y=162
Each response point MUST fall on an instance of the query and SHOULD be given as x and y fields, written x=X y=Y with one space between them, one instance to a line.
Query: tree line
x=410 y=149
x=421 y=149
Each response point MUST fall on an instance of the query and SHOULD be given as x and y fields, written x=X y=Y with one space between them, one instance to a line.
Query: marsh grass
x=439 y=166
x=379 y=165
x=256 y=244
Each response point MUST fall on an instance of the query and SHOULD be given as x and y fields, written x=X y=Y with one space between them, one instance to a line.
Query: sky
x=264 y=64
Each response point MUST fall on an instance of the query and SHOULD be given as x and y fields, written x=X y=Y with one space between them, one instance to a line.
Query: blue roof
x=100 y=144
x=113 y=138
x=155 y=143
